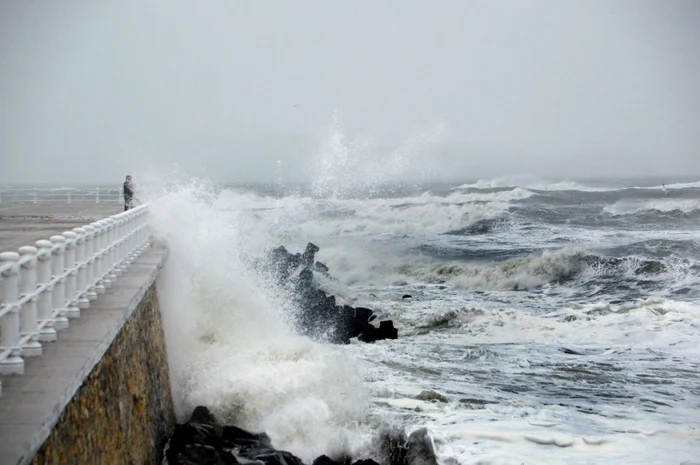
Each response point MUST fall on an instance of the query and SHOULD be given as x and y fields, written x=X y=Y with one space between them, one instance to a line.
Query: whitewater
x=555 y=322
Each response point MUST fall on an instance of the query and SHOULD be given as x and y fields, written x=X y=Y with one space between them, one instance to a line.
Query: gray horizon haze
x=260 y=91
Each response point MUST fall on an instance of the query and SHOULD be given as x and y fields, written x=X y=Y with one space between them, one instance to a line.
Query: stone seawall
x=123 y=412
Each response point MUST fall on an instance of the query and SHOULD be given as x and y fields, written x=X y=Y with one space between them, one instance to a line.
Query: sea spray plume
x=229 y=343
x=345 y=166
x=338 y=164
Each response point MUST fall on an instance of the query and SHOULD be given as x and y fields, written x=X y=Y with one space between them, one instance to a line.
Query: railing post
x=113 y=226
x=90 y=262
x=107 y=250
x=81 y=280
x=119 y=244
x=99 y=257
x=146 y=236
x=72 y=309
x=128 y=241
x=28 y=319
x=60 y=320
x=9 y=324
x=47 y=332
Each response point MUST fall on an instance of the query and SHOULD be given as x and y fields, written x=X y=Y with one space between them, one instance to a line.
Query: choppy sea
x=556 y=322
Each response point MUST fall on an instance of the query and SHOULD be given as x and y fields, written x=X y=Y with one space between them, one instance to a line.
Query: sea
x=540 y=321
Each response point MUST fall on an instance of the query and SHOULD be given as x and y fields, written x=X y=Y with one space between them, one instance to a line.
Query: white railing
x=45 y=285
x=60 y=195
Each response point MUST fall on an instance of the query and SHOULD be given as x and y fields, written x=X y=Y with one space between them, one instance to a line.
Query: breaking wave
x=633 y=207
x=230 y=346
x=536 y=185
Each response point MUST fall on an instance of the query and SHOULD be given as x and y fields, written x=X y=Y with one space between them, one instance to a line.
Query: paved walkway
x=24 y=224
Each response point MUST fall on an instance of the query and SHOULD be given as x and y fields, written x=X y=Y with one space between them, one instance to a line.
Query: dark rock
x=239 y=436
x=277 y=457
x=203 y=415
x=324 y=460
x=198 y=454
x=391 y=446
x=309 y=253
x=430 y=396
x=191 y=434
x=569 y=351
x=205 y=442
x=319 y=316
x=321 y=268
x=420 y=449
x=396 y=449
x=387 y=330
x=407 y=296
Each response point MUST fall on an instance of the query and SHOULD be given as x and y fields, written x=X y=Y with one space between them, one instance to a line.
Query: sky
x=230 y=90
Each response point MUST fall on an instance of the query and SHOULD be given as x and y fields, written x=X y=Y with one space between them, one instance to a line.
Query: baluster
x=112 y=249
x=140 y=236
x=60 y=320
x=107 y=247
x=81 y=268
x=146 y=230
x=72 y=311
x=28 y=318
x=129 y=245
x=99 y=256
x=9 y=324
x=123 y=241
x=119 y=248
x=47 y=333
x=90 y=261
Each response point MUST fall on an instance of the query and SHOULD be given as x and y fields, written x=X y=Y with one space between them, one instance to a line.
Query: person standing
x=128 y=193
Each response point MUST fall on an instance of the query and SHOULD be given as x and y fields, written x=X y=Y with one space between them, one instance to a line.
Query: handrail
x=60 y=195
x=43 y=286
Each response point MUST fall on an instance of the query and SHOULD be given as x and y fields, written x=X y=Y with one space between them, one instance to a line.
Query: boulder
x=431 y=396
x=319 y=316
x=416 y=449
x=204 y=441
x=420 y=449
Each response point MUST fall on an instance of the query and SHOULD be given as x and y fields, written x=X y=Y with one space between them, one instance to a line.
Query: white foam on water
x=667 y=205
x=529 y=182
x=521 y=429
x=533 y=184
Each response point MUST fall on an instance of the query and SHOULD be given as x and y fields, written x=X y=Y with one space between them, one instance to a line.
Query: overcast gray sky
x=91 y=90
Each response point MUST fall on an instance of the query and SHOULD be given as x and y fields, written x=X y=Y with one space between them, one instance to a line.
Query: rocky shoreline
x=202 y=440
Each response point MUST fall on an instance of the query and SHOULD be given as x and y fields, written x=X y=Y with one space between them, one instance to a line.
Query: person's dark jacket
x=128 y=190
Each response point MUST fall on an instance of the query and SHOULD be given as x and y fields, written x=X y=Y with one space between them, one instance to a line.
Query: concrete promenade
x=24 y=224
x=31 y=404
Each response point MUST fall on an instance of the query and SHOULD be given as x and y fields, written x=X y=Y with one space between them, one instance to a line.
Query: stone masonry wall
x=123 y=412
